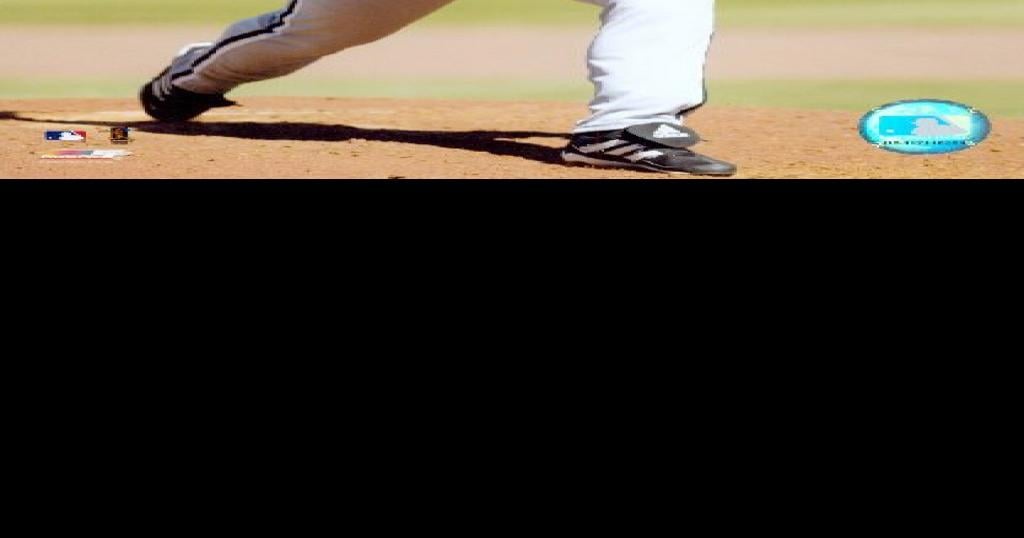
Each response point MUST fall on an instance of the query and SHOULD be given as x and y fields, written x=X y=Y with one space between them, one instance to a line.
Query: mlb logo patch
x=921 y=126
x=66 y=136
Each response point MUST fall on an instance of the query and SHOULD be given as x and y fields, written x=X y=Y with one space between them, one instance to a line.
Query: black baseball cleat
x=166 y=102
x=659 y=147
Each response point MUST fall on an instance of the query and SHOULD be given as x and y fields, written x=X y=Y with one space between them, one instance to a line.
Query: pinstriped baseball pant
x=647 y=62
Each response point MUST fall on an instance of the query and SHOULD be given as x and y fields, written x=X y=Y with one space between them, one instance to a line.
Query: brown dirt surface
x=381 y=138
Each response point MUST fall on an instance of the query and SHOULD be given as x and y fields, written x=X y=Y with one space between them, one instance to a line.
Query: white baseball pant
x=646 y=63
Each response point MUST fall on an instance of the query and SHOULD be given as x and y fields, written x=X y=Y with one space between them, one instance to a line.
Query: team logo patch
x=120 y=135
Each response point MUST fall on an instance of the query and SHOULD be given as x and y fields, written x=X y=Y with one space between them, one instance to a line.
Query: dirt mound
x=377 y=138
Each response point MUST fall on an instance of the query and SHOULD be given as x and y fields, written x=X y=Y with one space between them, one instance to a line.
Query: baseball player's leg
x=647 y=66
x=647 y=62
x=279 y=43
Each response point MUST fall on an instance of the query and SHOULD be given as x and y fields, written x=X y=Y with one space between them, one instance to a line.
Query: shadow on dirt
x=494 y=142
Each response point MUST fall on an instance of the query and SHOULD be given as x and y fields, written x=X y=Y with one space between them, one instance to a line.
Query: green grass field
x=831 y=13
x=995 y=97
x=1000 y=98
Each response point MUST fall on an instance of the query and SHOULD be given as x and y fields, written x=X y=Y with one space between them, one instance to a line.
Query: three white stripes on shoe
x=621 y=148
x=631 y=151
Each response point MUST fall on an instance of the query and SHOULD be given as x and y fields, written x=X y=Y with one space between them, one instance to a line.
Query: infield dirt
x=381 y=138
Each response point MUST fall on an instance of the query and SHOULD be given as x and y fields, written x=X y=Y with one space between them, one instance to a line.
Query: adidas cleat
x=164 y=101
x=658 y=147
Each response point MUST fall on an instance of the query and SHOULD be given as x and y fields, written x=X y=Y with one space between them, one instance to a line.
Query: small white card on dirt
x=86 y=154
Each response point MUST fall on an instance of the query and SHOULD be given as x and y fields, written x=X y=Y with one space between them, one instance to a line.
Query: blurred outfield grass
x=731 y=12
x=996 y=98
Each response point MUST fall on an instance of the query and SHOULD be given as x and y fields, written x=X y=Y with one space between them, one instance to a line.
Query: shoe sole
x=575 y=158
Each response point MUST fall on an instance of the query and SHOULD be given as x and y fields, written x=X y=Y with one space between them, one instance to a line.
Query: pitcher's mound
x=378 y=138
